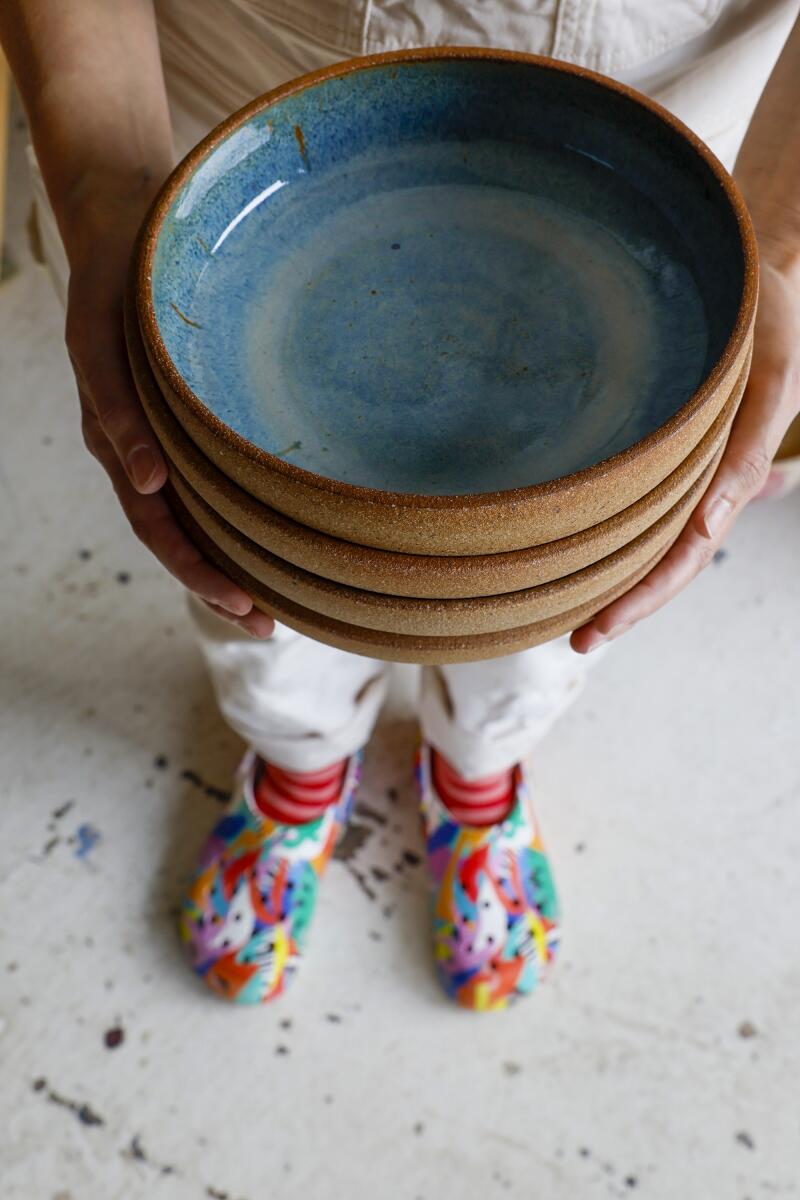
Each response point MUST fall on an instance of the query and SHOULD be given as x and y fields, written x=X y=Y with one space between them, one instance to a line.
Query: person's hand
x=770 y=403
x=115 y=429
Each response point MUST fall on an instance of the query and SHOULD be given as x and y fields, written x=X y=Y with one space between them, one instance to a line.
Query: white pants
x=304 y=705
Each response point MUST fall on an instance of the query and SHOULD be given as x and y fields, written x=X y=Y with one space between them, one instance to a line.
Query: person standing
x=106 y=89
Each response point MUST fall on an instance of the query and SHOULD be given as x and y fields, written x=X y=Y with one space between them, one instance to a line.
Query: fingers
x=106 y=389
x=118 y=435
x=764 y=415
x=691 y=552
x=746 y=463
x=154 y=525
x=256 y=623
x=740 y=476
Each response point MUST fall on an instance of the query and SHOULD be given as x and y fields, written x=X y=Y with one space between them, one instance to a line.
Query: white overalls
x=303 y=704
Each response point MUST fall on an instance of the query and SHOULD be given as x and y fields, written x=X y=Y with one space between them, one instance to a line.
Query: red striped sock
x=295 y=797
x=475 y=801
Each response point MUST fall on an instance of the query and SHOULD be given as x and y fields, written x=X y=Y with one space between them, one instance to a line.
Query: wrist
x=779 y=247
x=105 y=207
x=102 y=165
x=776 y=220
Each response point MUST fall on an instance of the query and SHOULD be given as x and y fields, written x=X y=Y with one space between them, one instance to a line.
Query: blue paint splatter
x=86 y=838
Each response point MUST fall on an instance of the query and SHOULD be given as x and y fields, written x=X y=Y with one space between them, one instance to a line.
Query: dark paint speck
x=113 y=1037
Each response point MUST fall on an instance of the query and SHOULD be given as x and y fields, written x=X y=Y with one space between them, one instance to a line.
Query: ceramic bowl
x=425 y=576
x=441 y=618
x=448 y=301
x=398 y=647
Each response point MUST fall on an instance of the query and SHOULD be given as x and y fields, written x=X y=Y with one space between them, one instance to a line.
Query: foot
x=247 y=912
x=495 y=912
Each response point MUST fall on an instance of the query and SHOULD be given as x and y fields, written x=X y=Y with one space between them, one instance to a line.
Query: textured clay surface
x=440 y=618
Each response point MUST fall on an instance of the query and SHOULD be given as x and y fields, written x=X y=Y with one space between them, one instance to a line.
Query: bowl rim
x=553 y=489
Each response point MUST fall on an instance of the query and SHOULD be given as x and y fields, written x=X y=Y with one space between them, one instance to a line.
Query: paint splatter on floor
x=361 y=881
x=83 y=1111
x=113 y=1037
x=135 y=1152
x=85 y=839
x=214 y=793
x=366 y=810
x=354 y=837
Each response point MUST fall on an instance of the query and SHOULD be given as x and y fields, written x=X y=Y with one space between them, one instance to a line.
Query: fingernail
x=142 y=465
x=238 y=607
x=716 y=516
x=260 y=635
x=618 y=630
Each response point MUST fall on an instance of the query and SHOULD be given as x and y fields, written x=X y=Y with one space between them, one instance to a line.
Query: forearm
x=89 y=73
x=768 y=166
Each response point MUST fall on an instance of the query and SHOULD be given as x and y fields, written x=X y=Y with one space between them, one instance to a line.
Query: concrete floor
x=662 y=1061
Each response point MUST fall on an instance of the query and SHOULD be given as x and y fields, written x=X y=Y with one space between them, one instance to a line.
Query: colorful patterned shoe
x=495 y=912
x=249 y=906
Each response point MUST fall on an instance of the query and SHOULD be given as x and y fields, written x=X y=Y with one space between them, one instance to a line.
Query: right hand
x=115 y=429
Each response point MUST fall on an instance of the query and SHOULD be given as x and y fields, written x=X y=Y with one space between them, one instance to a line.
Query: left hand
x=769 y=405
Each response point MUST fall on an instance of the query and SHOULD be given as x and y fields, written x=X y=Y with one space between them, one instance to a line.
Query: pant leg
x=298 y=703
x=486 y=716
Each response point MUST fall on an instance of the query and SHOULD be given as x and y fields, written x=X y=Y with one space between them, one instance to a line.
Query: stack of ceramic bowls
x=442 y=346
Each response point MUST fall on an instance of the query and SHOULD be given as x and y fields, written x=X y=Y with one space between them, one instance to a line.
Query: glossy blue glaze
x=448 y=277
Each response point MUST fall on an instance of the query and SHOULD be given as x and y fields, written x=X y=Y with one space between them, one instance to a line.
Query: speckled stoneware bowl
x=385 y=571
x=440 y=618
x=399 y=647
x=451 y=301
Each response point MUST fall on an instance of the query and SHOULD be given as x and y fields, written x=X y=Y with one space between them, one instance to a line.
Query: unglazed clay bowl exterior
x=399 y=647
x=441 y=618
x=420 y=576
x=449 y=301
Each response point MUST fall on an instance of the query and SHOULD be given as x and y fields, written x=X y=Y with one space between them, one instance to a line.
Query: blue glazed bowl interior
x=448 y=277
